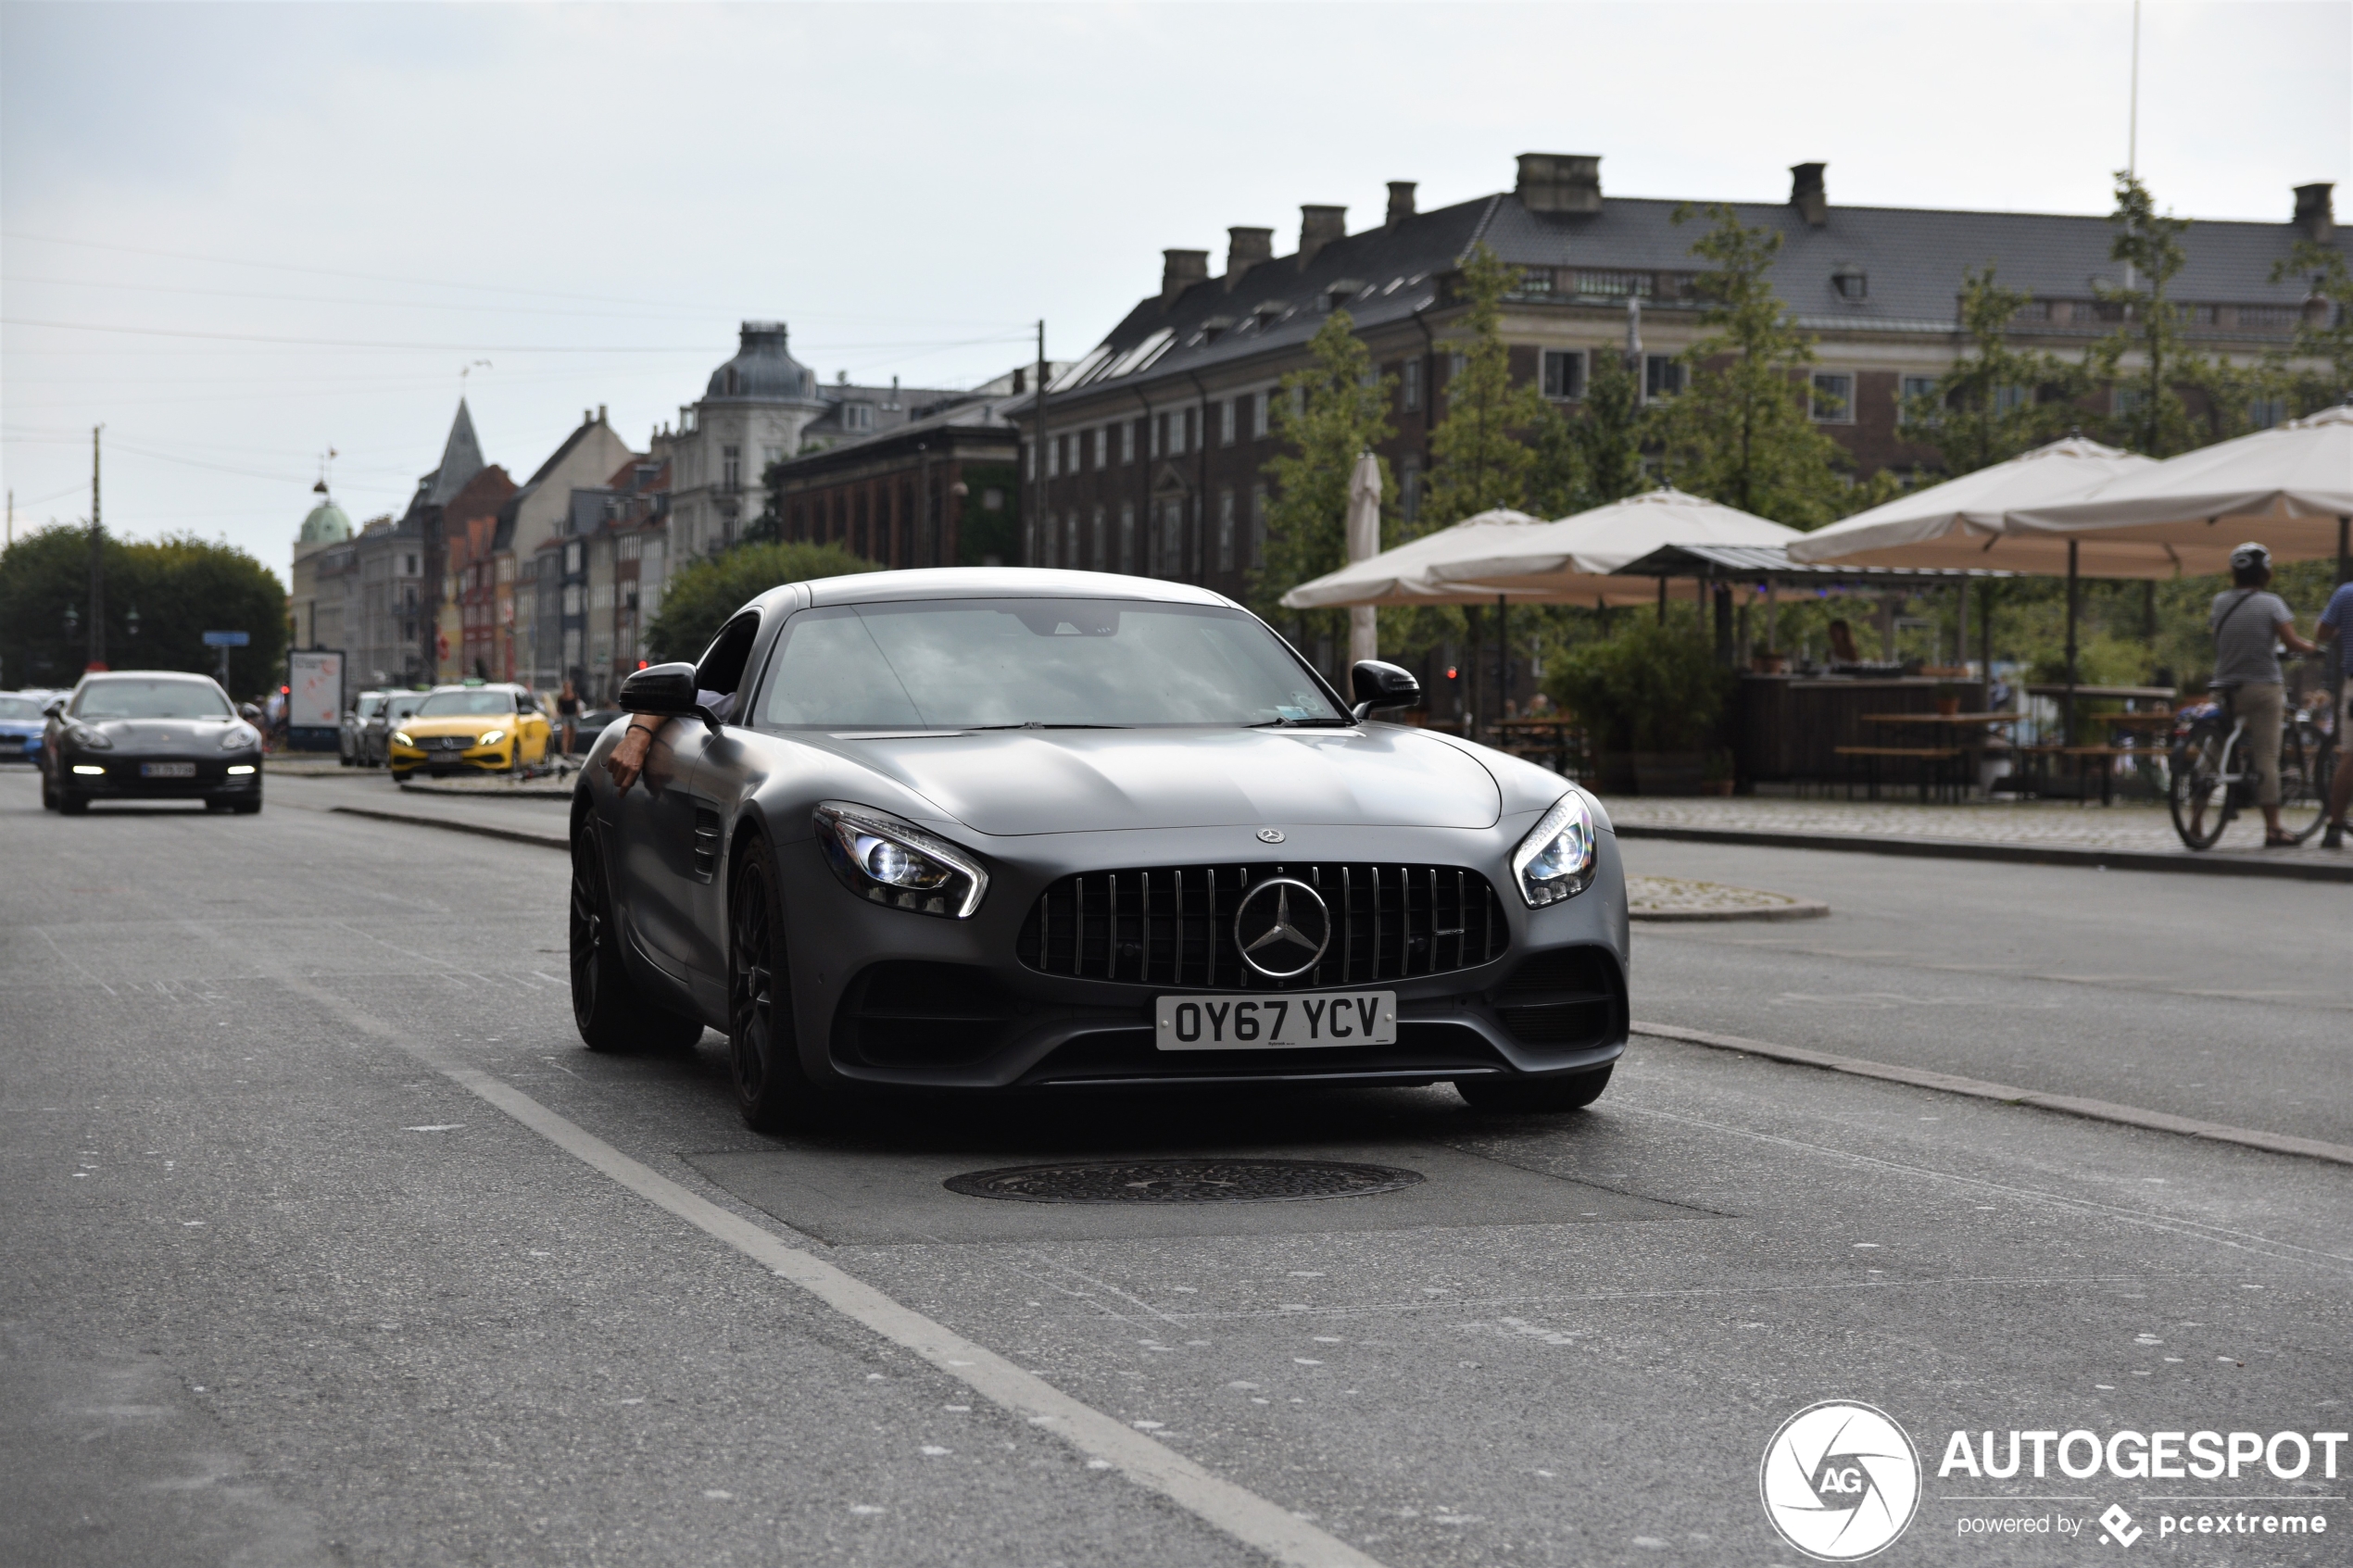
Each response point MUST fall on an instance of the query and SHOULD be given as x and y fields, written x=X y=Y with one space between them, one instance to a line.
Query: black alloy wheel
x=772 y=1091
x=605 y=1006
x=73 y=805
x=1534 y=1097
x=49 y=791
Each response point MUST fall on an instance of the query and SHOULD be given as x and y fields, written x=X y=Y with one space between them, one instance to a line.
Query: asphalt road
x=282 y=1288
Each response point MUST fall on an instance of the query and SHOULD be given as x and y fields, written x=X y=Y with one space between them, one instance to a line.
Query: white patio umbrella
x=1364 y=544
x=1401 y=576
x=1568 y=559
x=1964 y=523
x=2290 y=487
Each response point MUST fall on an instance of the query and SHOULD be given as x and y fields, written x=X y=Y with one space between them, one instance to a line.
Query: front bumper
x=886 y=997
x=120 y=777
x=404 y=760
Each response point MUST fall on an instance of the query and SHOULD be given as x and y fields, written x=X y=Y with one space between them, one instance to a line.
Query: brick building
x=1156 y=439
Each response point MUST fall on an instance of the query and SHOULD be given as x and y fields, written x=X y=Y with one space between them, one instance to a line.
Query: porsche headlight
x=239 y=737
x=885 y=860
x=1555 y=860
x=492 y=737
x=91 y=740
x=400 y=737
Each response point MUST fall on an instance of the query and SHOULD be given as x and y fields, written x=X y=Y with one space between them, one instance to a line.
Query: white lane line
x=1979 y=1088
x=1238 y=1511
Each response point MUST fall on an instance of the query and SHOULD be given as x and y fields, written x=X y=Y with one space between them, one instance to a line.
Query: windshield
x=446 y=705
x=370 y=705
x=19 y=707
x=130 y=698
x=966 y=663
x=401 y=706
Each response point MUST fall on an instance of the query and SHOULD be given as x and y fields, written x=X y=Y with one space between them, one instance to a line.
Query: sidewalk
x=2137 y=837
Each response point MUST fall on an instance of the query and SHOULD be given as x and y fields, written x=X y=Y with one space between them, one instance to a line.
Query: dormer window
x=1851 y=282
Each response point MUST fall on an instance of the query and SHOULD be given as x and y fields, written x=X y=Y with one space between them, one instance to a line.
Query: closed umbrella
x=1364 y=544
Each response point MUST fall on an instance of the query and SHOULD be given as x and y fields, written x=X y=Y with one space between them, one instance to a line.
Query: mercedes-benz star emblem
x=1270 y=836
x=1282 y=927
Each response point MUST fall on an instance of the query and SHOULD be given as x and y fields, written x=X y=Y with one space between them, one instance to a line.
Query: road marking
x=2009 y=1094
x=1263 y=1526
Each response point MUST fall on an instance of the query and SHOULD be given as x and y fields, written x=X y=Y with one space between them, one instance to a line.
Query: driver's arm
x=628 y=757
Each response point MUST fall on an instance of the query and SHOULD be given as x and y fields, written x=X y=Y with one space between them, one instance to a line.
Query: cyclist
x=2248 y=621
x=2336 y=628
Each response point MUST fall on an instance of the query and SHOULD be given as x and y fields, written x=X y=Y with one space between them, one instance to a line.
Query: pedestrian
x=567 y=712
x=2336 y=624
x=2249 y=622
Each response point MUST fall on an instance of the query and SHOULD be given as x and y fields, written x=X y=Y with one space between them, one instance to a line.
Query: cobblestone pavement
x=2147 y=829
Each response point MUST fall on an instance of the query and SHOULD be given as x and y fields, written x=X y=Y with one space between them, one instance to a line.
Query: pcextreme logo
x=1840 y=1481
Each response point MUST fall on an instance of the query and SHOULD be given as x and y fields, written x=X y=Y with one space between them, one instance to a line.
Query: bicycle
x=2209 y=782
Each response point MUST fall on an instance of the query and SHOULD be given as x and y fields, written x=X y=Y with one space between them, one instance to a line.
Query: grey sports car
x=148 y=734
x=998 y=829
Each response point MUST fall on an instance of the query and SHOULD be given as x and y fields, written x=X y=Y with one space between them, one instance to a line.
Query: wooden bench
x=1941 y=772
x=2084 y=757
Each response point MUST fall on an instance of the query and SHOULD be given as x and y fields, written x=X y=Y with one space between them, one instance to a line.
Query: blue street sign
x=227 y=639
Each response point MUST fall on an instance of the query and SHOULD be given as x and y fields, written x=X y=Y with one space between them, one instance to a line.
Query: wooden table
x=2105 y=752
x=1553 y=738
x=1965 y=739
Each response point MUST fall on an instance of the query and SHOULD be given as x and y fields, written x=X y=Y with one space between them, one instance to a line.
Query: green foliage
x=2152 y=417
x=182 y=586
x=1741 y=434
x=1592 y=454
x=1478 y=460
x=701 y=595
x=2327 y=337
x=982 y=533
x=1995 y=402
x=1326 y=415
x=1646 y=687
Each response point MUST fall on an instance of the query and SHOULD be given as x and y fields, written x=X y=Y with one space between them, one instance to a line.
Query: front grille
x=1174 y=926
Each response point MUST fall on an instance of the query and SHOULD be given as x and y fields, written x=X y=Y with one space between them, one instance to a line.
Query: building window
x=1054 y=457
x=1662 y=376
x=571 y=558
x=1257 y=524
x=1101 y=555
x=1832 y=398
x=2266 y=413
x=1851 y=282
x=1090 y=454
x=2010 y=399
x=1409 y=486
x=1225 y=531
x=1409 y=386
x=858 y=416
x=1258 y=403
x=1225 y=424
x=1029 y=462
x=1160 y=435
x=1127 y=441
x=1070 y=539
x=731 y=467
x=1127 y=537
x=1192 y=438
x=1457 y=364
x=1565 y=373
x=2128 y=400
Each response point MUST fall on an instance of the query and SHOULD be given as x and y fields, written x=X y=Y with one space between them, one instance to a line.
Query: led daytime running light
x=1555 y=860
x=889 y=861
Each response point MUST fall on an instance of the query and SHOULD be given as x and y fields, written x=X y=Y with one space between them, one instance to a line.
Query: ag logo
x=1840 y=1481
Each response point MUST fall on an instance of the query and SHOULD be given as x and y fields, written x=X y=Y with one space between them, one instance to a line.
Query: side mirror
x=1378 y=685
x=56 y=709
x=666 y=691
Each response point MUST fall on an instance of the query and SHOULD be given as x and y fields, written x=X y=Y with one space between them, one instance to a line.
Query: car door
x=720 y=758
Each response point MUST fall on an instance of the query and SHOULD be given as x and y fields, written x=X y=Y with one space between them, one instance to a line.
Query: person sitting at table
x=1842 y=644
x=2248 y=621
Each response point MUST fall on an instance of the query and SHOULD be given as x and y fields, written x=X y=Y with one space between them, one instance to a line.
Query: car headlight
x=400 y=737
x=880 y=858
x=239 y=737
x=1555 y=860
x=492 y=738
x=91 y=740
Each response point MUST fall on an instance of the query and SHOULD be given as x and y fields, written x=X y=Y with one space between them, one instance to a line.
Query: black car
x=1009 y=829
x=149 y=734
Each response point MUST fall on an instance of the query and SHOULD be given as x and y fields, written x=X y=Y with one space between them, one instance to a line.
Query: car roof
x=477 y=686
x=146 y=675
x=995 y=581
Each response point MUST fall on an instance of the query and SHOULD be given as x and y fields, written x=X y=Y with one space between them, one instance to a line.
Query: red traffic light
x=1450 y=672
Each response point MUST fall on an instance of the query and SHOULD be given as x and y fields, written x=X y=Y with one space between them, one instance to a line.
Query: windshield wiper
x=1302 y=725
x=1039 y=724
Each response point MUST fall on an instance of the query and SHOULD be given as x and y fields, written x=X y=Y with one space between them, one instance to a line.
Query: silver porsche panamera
x=998 y=829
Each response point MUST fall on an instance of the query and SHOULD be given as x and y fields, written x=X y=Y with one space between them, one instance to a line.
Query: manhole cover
x=1183 y=1181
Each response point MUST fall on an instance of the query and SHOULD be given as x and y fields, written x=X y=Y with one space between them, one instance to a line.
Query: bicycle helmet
x=2251 y=556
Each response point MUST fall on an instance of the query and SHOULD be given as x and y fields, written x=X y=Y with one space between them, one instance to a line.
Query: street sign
x=227 y=639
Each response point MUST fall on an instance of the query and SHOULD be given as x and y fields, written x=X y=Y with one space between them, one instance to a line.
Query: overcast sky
x=298 y=224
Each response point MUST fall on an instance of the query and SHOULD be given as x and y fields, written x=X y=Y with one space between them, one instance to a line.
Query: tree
x=1741 y=434
x=2150 y=416
x=1477 y=459
x=181 y=587
x=1326 y=416
x=1592 y=455
x=2326 y=331
x=701 y=595
x=1995 y=402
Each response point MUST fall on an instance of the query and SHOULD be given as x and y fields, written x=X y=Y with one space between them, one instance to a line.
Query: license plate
x=167 y=770
x=1262 y=1023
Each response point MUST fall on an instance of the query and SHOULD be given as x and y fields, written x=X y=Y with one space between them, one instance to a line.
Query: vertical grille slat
x=1173 y=925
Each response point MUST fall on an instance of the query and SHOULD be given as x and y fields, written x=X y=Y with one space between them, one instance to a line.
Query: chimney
x=1180 y=270
x=601 y=413
x=1319 y=226
x=1559 y=182
x=1401 y=201
x=587 y=416
x=2316 y=212
x=1245 y=248
x=1806 y=194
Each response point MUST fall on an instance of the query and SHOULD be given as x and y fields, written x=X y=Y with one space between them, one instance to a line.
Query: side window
x=721 y=669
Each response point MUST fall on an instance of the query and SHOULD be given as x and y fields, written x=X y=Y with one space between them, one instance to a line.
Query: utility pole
x=1038 y=512
x=97 y=563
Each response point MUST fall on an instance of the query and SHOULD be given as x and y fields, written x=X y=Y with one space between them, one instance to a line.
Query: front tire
x=612 y=1015
x=1534 y=1097
x=73 y=805
x=48 y=792
x=772 y=1091
x=2201 y=805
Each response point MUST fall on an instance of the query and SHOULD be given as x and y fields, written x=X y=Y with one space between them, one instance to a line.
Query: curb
x=502 y=791
x=1801 y=910
x=517 y=835
x=2020 y=854
x=1977 y=1088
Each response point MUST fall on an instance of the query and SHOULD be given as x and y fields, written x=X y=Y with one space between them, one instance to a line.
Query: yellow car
x=475 y=728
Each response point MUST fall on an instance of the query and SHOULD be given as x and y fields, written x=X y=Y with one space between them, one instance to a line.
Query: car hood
x=457 y=724
x=161 y=735
x=1015 y=782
